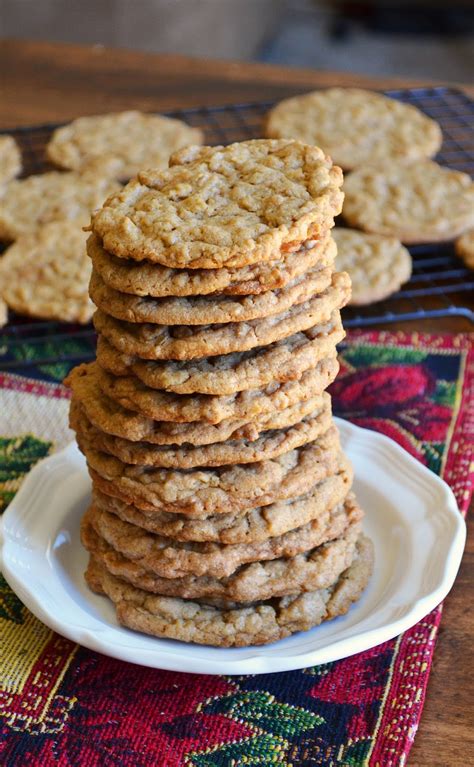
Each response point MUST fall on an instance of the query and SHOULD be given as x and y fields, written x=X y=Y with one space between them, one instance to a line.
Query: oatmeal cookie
x=254 y=526
x=464 y=246
x=150 y=279
x=231 y=206
x=46 y=273
x=181 y=342
x=197 y=310
x=242 y=626
x=241 y=573
x=128 y=141
x=311 y=420
x=3 y=313
x=108 y=415
x=356 y=127
x=377 y=265
x=36 y=200
x=201 y=493
x=10 y=159
x=421 y=202
x=278 y=362
x=133 y=395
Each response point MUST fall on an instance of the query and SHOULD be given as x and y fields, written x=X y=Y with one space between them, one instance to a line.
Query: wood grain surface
x=47 y=82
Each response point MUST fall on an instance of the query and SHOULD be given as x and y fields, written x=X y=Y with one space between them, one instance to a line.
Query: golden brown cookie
x=142 y=278
x=377 y=265
x=241 y=572
x=202 y=493
x=203 y=310
x=10 y=159
x=279 y=362
x=307 y=421
x=46 y=273
x=257 y=624
x=421 y=202
x=128 y=141
x=54 y=196
x=230 y=206
x=181 y=342
x=108 y=415
x=464 y=246
x=356 y=127
x=181 y=408
x=251 y=527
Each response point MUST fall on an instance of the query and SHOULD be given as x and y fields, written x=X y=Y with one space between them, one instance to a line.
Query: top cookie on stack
x=223 y=206
x=217 y=471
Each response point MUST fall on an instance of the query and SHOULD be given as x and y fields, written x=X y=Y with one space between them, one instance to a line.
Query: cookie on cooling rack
x=421 y=202
x=46 y=273
x=28 y=203
x=127 y=141
x=356 y=126
x=377 y=265
x=10 y=159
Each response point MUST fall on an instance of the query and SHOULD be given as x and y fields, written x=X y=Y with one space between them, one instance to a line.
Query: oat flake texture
x=223 y=206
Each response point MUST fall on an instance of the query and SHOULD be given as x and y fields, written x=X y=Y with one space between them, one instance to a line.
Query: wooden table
x=44 y=82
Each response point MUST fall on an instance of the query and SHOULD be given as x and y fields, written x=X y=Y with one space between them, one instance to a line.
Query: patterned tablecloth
x=63 y=705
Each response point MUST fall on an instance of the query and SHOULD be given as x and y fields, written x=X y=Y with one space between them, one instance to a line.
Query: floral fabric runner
x=63 y=705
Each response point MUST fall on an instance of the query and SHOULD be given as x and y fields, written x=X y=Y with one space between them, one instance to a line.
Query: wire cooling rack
x=440 y=285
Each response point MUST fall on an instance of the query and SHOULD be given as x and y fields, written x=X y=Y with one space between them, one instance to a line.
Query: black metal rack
x=440 y=284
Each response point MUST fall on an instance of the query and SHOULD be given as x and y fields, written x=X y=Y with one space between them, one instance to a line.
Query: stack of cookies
x=222 y=510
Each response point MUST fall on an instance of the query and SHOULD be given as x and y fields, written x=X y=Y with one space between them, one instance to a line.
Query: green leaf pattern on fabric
x=251 y=752
x=74 y=349
x=445 y=393
x=17 y=456
x=260 y=709
x=364 y=356
x=11 y=609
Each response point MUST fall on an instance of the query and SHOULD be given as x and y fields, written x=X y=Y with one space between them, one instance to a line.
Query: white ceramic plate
x=411 y=516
